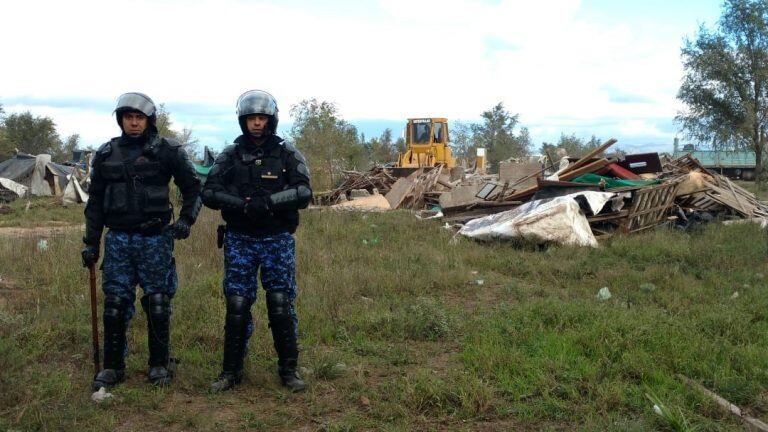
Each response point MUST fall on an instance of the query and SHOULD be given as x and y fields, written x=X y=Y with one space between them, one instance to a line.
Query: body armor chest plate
x=259 y=172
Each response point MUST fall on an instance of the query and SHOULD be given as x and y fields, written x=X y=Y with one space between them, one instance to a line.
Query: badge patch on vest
x=257 y=162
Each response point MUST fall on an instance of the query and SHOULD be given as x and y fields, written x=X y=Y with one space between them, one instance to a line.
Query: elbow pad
x=208 y=201
x=226 y=200
x=291 y=199
x=218 y=200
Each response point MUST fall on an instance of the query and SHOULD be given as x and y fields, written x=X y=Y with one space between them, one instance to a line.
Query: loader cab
x=427 y=131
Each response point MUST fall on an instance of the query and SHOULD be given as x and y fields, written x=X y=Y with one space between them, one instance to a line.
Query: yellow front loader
x=426 y=141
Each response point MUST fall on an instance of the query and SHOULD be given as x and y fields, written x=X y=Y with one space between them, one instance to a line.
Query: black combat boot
x=283 y=325
x=114 y=344
x=158 y=309
x=235 y=337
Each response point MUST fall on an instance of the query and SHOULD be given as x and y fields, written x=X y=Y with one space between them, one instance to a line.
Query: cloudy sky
x=605 y=67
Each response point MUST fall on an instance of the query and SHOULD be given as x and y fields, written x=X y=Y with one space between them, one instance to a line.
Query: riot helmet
x=257 y=102
x=140 y=102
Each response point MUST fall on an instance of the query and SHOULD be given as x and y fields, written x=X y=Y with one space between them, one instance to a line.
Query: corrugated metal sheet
x=721 y=159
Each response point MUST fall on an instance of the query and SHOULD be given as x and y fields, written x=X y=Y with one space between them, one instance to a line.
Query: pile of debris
x=422 y=188
x=595 y=197
x=585 y=199
x=705 y=191
x=357 y=185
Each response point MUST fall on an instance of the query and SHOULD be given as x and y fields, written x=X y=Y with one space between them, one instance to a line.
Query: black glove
x=179 y=230
x=256 y=206
x=90 y=255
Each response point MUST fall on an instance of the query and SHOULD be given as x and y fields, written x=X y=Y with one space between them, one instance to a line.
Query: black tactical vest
x=136 y=187
x=259 y=172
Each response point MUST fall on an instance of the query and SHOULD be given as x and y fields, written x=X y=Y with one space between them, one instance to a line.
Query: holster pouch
x=221 y=230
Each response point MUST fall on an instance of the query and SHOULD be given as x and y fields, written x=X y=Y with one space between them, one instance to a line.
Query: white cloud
x=453 y=58
x=641 y=127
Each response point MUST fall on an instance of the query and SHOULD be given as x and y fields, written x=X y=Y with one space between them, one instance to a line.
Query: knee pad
x=238 y=305
x=114 y=313
x=279 y=305
x=157 y=305
x=238 y=311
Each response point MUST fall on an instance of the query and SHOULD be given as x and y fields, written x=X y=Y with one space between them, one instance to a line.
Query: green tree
x=382 y=150
x=29 y=134
x=184 y=136
x=573 y=146
x=524 y=140
x=497 y=135
x=164 y=123
x=400 y=145
x=725 y=86
x=462 y=141
x=329 y=143
x=64 y=152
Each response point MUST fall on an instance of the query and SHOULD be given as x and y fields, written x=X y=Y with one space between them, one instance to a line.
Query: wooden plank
x=621 y=214
x=649 y=207
x=741 y=205
x=426 y=183
x=402 y=187
x=753 y=423
x=723 y=197
x=592 y=167
x=585 y=159
x=445 y=183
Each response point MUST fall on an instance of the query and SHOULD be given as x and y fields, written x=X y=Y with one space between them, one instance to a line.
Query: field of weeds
x=403 y=327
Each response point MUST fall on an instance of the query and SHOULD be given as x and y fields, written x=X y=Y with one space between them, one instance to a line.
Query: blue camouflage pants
x=131 y=259
x=270 y=258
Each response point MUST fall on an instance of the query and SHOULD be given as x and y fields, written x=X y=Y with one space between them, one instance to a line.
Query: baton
x=94 y=321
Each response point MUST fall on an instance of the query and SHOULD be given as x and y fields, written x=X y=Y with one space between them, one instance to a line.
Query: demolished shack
x=39 y=174
x=586 y=199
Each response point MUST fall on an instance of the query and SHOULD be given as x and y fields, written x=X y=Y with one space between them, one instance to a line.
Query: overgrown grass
x=40 y=211
x=398 y=334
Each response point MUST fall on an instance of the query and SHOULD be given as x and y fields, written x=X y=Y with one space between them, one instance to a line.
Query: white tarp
x=17 y=188
x=73 y=193
x=558 y=220
x=38 y=186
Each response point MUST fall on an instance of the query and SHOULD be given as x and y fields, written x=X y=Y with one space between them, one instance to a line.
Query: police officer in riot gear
x=129 y=194
x=259 y=184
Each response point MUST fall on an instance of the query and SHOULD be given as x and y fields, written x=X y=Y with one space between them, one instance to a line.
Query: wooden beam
x=585 y=159
x=753 y=423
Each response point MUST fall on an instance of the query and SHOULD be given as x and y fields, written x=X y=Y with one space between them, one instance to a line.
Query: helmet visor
x=256 y=102
x=136 y=101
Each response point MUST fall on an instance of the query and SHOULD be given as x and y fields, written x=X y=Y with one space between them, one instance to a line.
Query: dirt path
x=49 y=229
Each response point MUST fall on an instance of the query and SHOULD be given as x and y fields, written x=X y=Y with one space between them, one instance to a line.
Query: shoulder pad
x=106 y=148
x=290 y=148
x=170 y=142
x=227 y=153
